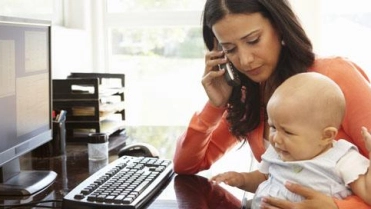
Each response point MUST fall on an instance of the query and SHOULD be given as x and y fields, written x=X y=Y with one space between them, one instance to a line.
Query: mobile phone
x=230 y=73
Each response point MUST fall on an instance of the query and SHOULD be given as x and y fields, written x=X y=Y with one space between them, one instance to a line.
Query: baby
x=304 y=115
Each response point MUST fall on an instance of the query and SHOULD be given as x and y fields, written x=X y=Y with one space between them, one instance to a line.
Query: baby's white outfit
x=329 y=173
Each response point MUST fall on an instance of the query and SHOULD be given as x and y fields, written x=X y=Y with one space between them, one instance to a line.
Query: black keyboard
x=126 y=183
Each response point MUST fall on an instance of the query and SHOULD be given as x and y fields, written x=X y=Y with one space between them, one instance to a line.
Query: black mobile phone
x=230 y=74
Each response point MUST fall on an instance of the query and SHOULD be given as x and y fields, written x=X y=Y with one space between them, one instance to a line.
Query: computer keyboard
x=126 y=183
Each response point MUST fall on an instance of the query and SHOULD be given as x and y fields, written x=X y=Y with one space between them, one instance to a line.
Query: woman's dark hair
x=295 y=56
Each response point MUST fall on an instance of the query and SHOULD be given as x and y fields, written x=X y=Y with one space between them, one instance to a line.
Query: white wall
x=71 y=51
x=71 y=31
x=87 y=15
x=309 y=14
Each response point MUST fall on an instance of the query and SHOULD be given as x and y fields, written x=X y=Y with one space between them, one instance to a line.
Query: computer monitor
x=25 y=101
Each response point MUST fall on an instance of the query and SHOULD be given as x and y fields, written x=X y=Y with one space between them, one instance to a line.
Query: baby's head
x=309 y=105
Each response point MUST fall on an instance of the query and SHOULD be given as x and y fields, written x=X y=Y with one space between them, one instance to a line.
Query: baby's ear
x=329 y=134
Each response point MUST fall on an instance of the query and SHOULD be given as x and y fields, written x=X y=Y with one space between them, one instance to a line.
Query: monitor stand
x=15 y=182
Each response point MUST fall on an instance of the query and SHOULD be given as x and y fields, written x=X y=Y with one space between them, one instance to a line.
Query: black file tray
x=92 y=104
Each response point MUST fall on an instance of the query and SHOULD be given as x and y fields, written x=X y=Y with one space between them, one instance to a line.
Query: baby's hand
x=367 y=137
x=231 y=178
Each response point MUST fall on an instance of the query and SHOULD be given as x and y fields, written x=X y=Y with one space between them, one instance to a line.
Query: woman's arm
x=206 y=139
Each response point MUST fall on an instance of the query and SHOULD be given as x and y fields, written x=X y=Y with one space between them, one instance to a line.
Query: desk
x=182 y=192
x=195 y=192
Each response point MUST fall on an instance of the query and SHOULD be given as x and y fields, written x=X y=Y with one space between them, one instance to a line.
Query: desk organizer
x=94 y=104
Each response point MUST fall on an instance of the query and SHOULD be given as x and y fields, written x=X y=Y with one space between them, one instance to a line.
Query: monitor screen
x=25 y=101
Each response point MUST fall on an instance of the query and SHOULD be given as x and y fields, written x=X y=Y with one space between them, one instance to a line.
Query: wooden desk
x=182 y=192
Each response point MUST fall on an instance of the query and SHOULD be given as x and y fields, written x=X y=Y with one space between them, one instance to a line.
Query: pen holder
x=57 y=146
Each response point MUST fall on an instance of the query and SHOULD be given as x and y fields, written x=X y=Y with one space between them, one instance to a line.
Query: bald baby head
x=311 y=96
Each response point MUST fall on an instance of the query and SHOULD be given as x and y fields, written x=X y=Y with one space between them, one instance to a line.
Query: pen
x=62 y=115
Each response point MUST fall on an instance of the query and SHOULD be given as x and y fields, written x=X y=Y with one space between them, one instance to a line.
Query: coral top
x=207 y=137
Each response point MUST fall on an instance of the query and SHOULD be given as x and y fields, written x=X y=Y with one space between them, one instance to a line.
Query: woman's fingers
x=313 y=199
x=213 y=59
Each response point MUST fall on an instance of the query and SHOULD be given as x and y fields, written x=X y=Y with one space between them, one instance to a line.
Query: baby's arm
x=362 y=186
x=245 y=181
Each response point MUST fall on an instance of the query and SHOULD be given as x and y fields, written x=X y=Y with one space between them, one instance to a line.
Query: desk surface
x=182 y=192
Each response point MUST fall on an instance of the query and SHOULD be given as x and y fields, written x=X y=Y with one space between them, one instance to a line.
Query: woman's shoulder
x=336 y=67
x=323 y=64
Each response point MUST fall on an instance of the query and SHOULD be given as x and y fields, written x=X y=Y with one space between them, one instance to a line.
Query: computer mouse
x=139 y=149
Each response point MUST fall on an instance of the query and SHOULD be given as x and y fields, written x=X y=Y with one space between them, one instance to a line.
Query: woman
x=266 y=44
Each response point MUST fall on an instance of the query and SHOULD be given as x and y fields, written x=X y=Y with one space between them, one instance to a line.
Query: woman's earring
x=283 y=42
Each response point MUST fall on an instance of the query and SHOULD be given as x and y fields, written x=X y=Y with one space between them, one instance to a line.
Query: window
x=120 y=6
x=159 y=47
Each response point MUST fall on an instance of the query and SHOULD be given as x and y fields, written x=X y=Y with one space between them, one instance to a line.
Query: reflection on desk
x=195 y=192
x=198 y=192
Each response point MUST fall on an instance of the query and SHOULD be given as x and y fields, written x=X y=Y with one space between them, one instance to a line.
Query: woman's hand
x=213 y=80
x=313 y=200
